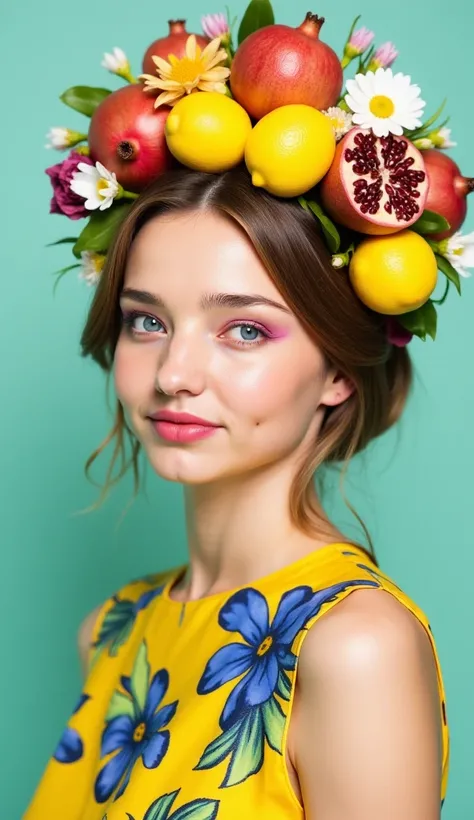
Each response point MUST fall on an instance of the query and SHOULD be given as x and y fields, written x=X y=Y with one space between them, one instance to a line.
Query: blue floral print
x=135 y=727
x=252 y=715
x=71 y=747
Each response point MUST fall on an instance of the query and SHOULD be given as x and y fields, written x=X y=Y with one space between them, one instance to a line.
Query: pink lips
x=182 y=427
x=181 y=418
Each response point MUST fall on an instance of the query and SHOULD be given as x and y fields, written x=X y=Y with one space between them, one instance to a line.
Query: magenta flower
x=384 y=57
x=396 y=334
x=215 y=25
x=64 y=200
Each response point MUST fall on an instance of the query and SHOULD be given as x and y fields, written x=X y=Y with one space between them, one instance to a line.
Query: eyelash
x=129 y=317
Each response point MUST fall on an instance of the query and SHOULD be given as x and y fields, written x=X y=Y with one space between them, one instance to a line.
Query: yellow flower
x=197 y=71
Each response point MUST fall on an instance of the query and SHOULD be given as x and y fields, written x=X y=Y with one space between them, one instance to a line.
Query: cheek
x=270 y=390
x=133 y=374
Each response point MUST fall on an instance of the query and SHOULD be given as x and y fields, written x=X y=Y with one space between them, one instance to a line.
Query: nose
x=183 y=364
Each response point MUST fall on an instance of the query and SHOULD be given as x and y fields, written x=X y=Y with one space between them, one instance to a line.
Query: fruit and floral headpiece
x=389 y=201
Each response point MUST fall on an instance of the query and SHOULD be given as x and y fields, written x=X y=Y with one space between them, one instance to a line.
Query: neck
x=240 y=530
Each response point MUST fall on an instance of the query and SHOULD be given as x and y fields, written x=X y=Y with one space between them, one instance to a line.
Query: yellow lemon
x=207 y=131
x=290 y=150
x=394 y=274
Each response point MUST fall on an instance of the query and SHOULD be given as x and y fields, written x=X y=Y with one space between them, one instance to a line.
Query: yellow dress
x=185 y=711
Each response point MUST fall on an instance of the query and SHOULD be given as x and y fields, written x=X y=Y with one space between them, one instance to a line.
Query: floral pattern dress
x=185 y=710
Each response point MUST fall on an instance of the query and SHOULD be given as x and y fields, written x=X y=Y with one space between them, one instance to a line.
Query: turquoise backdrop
x=413 y=488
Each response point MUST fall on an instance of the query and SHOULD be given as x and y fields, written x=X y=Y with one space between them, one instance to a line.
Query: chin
x=184 y=467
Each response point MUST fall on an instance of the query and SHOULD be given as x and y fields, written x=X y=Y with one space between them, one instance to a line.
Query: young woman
x=279 y=674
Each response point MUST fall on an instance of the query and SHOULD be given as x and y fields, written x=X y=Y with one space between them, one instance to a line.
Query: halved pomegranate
x=376 y=185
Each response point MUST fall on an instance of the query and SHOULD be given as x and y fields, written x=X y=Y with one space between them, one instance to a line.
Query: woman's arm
x=368 y=743
x=84 y=637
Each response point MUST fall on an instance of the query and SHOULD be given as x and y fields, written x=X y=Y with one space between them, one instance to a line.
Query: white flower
x=92 y=265
x=337 y=261
x=61 y=138
x=459 y=250
x=385 y=102
x=441 y=138
x=98 y=186
x=341 y=120
x=116 y=62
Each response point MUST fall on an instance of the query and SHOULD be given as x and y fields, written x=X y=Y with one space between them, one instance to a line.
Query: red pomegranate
x=448 y=190
x=126 y=135
x=279 y=65
x=173 y=43
x=376 y=185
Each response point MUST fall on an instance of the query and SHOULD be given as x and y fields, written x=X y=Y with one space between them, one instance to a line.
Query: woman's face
x=249 y=368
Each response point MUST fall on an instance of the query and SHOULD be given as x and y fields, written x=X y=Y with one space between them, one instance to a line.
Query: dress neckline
x=321 y=554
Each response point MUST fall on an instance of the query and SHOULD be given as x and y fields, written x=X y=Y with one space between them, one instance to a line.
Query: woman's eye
x=246 y=333
x=141 y=323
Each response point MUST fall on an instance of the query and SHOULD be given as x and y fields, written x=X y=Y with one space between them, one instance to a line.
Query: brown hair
x=288 y=241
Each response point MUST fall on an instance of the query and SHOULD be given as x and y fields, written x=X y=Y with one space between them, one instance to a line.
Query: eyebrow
x=208 y=300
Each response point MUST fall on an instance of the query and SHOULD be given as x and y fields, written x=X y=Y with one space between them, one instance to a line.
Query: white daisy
x=459 y=250
x=341 y=120
x=385 y=102
x=98 y=186
x=92 y=265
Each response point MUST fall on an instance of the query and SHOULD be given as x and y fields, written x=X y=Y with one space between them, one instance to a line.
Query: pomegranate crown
x=361 y=160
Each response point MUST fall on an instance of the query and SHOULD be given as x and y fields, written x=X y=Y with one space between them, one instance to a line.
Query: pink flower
x=385 y=56
x=215 y=25
x=64 y=200
x=396 y=334
x=361 y=40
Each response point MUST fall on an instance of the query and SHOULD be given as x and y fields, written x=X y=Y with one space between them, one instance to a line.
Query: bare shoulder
x=368 y=729
x=84 y=635
x=368 y=627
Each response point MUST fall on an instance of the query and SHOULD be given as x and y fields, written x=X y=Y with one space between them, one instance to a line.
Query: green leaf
x=220 y=748
x=430 y=222
x=120 y=704
x=283 y=685
x=367 y=58
x=160 y=808
x=140 y=677
x=421 y=322
x=259 y=13
x=443 y=298
x=200 y=809
x=101 y=228
x=120 y=638
x=273 y=723
x=84 y=98
x=247 y=757
x=416 y=133
x=62 y=272
x=67 y=239
x=449 y=271
x=352 y=28
x=331 y=234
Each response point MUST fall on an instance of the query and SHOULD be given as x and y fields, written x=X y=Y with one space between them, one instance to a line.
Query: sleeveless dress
x=185 y=711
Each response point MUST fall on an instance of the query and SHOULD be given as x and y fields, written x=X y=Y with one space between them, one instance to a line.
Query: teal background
x=413 y=488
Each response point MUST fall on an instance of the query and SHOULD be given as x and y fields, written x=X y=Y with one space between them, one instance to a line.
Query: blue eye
x=250 y=334
x=149 y=324
x=247 y=331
